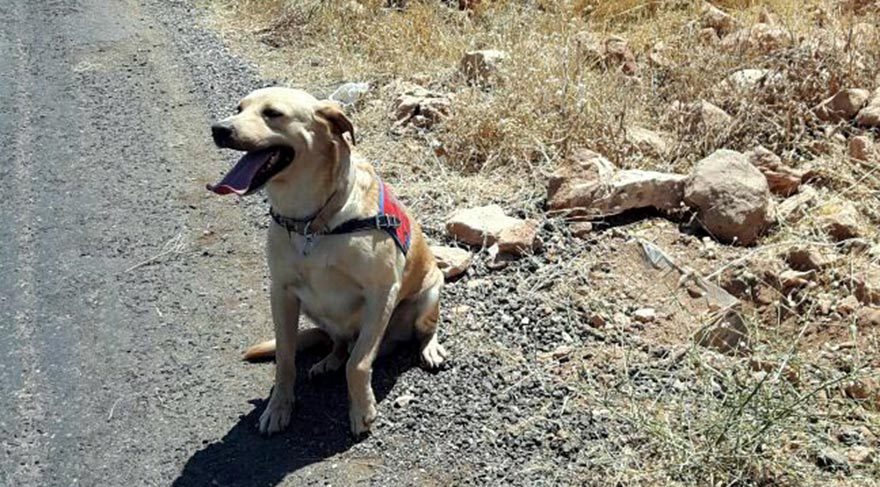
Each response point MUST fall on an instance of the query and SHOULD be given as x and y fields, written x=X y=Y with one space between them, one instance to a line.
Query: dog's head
x=279 y=129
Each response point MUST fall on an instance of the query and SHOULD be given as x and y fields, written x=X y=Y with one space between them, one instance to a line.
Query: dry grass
x=703 y=419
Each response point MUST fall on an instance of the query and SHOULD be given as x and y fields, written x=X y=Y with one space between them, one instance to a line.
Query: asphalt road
x=126 y=291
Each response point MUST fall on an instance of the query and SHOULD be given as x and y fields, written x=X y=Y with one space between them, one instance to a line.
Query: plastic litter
x=350 y=93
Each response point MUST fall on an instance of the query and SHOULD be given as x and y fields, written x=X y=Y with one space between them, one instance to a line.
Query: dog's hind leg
x=305 y=340
x=333 y=361
x=426 y=324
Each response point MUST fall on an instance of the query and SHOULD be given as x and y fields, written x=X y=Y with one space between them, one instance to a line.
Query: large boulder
x=647 y=142
x=589 y=185
x=731 y=196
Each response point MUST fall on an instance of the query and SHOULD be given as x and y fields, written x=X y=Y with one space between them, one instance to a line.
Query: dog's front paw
x=362 y=419
x=277 y=414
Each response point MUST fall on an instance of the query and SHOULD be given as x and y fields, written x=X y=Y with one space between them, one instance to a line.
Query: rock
x=840 y=220
x=847 y=305
x=727 y=334
x=581 y=230
x=645 y=315
x=761 y=37
x=588 y=185
x=519 y=239
x=864 y=390
x=861 y=454
x=790 y=280
x=869 y=116
x=714 y=18
x=783 y=180
x=618 y=54
x=868 y=317
x=647 y=141
x=488 y=225
x=731 y=196
x=711 y=116
x=861 y=148
x=420 y=108
x=792 y=209
x=404 y=400
x=832 y=461
x=708 y=36
x=749 y=79
x=452 y=261
x=843 y=106
x=657 y=57
x=867 y=285
x=482 y=66
x=805 y=258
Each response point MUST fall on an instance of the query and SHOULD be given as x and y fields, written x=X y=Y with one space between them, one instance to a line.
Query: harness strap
x=382 y=221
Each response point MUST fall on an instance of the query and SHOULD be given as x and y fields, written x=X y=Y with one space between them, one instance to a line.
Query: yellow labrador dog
x=341 y=248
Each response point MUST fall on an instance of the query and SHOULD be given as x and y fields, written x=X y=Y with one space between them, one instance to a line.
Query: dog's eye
x=238 y=109
x=272 y=113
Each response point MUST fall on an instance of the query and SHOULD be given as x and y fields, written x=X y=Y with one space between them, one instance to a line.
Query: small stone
x=618 y=54
x=847 y=305
x=868 y=317
x=452 y=261
x=420 y=108
x=404 y=400
x=727 y=334
x=841 y=221
x=867 y=284
x=869 y=116
x=731 y=196
x=647 y=141
x=519 y=239
x=783 y=180
x=598 y=321
x=861 y=454
x=581 y=230
x=832 y=461
x=482 y=66
x=806 y=258
x=645 y=315
x=843 y=106
x=749 y=79
x=477 y=283
x=861 y=148
x=793 y=209
x=791 y=279
x=716 y=19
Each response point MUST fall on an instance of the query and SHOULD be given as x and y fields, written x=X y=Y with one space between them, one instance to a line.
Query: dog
x=341 y=248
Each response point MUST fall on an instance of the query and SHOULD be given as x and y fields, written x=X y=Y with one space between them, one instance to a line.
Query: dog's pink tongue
x=239 y=179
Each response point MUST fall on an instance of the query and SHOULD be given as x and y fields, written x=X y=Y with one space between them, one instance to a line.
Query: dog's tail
x=305 y=339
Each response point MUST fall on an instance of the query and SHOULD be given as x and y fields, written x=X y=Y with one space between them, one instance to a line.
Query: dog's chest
x=321 y=280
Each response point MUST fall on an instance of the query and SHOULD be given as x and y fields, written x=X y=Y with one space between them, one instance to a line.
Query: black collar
x=303 y=227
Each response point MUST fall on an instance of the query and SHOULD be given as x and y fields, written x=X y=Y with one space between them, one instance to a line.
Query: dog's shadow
x=319 y=429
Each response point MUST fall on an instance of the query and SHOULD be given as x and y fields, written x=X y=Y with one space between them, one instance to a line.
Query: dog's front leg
x=359 y=369
x=285 y=315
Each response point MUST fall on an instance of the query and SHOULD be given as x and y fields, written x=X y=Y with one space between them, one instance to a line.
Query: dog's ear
x=339 y=123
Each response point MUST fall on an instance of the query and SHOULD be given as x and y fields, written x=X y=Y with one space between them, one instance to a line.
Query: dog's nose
x=222 y=133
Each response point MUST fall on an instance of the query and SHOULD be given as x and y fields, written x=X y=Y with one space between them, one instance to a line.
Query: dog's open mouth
x=253 y=170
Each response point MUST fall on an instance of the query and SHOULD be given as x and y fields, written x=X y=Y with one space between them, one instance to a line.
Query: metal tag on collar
x=309 y=238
